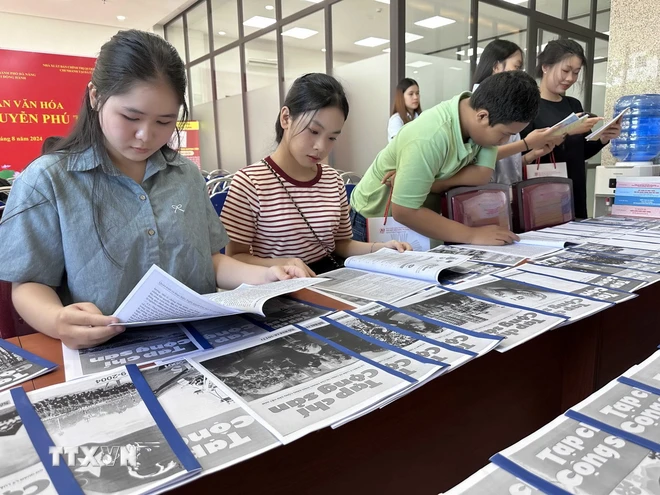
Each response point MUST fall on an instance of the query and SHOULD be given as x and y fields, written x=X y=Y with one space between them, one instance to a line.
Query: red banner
x=40 y=95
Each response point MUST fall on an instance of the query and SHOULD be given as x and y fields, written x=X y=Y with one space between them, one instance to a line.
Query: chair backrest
x=218 y=199
x=542 y=202
x=349 y=177
x=349 y=190
x=11 y=324
x=477 y=206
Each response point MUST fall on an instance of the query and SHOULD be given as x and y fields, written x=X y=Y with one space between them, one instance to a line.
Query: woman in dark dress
x=558 y=67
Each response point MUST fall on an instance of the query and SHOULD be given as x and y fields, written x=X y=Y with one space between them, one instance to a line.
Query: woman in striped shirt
x=289 y=208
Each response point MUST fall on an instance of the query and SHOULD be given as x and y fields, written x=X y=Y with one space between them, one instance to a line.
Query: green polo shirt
x=430 y=147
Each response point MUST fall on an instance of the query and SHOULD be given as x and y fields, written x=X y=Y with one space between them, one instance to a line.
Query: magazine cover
x=283 y=311
x=226 y=331
x=218 y=431
x=492 y=480
x=21 y=470
x=112 y=434
x=568 y=457
x=582 y=266
x=297 y=384
x=141 y=345
x=516 y=325
x=18 y=365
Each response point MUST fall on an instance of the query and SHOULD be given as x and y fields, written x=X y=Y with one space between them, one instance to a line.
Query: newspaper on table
x=609 y=281
x=638 y=237
x=18 y=365
x=648 y=372
x=519 y=249
x=492 y=480
x=217 y=430
x=21 y=469
x=579 y=266
x=551 y=239
x=138 y=346
x=519 y=294
x=424 y=266
x=112 y=434
x=640 y=254
x=160 y=298
x=468 y=271
x=367 y=286
x=462 y=312
x=297 y=384
x=622 y=243
x=582 y=229
x=624 y=408
x=622 y=222
x=283 y=311
x=479 y=255
x=569 y=457
x=602 y=259
x=578 y=288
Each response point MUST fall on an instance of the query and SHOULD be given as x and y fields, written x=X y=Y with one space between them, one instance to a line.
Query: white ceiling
x=140 y=14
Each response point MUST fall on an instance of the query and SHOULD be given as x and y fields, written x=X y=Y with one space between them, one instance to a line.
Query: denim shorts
x=359 y=224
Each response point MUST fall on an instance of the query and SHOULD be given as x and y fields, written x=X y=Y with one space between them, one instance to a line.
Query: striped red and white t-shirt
x=258 y=212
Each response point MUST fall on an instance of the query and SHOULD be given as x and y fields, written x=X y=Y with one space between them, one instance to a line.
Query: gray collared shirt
x=76 y=223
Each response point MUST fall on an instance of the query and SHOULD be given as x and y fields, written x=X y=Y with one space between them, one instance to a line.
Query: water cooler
x=635 y=150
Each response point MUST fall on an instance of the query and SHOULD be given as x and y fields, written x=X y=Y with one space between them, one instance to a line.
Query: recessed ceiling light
x=435 y=22
x=415 y=72
x=372 y=41
x=300 y=33
x=121 y=17
x=419 y=64
x=221 y=33
x=410 y=37
x=387 y=50
x=469 y=37
x=599 y=58
x=323 y=50
x=384 y=1
x=470 y=52
x=515 y=2
x=599 y=83
x=314 y=1
x=269 y=7
x=259 y=22
x=455 y=68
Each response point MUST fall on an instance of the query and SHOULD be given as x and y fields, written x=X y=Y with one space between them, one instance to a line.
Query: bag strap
x=387 y=206
x=309 y=226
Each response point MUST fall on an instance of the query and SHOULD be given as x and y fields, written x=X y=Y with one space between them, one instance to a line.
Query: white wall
x=39 y=34
x=367 y=86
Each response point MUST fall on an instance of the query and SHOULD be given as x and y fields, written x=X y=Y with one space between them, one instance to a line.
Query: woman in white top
x=406 y=106
x=501 y=56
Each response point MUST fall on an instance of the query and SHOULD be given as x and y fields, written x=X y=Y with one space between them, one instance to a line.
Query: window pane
x=256 y=16
x=225 y=22
x=578 y=12
x=496 y=23
x=202 y=111
x=229 y=107
x=174 y=34
x=603 y=22
x=304 y=47
x=198 y=31
x=365 y=73
x=598 y=88
x=440 y=61
x=262 y=94
x=550 y=7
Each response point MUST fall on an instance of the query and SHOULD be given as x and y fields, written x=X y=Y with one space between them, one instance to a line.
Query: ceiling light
x=470 y=52
x=455 y=68
x=384 y=1
x=221 y=33
x=599 y=83
x=300 y=33
x=467 y=60
x=415 y=72
x=371 y=41
x=259 y=22
x=323 y=50
x=410 y=37
x=607 y=33
x=314 y=1
x=387 y=50
x=419 y=64
x=469 y=37
x=599 y=58
x=269 y=7
x=515 y=2
x=435 y=22
x=121 y=17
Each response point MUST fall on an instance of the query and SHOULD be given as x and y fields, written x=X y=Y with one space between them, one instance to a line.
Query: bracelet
x=526 y=145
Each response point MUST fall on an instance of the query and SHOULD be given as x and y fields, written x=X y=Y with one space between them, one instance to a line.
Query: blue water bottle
x=640 y=129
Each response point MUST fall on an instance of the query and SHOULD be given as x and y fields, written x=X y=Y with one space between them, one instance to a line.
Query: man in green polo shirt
x=452 y=144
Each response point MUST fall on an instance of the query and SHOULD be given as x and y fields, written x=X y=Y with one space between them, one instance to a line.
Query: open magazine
x=160 y=298
x=568 y=124
x=425 y=266
x=18 y=365
x=594 y=136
